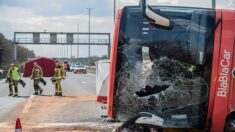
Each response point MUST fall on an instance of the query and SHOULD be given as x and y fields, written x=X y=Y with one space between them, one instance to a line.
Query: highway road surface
x=73 y=85
x=76 y=110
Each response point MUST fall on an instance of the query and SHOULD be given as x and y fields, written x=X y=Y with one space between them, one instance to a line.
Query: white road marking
x=4 y=125
x=86 y=124
x=28 y=105
x=83 y=82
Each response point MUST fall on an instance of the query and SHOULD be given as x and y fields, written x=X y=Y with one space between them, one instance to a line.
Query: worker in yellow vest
x=13 y=77
x=9 y=80
x=37 y=75
x=59 y=75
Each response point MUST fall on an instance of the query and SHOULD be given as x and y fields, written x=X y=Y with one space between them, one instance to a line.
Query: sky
x=66 y=15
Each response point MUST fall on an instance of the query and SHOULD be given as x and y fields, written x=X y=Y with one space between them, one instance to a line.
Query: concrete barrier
x=91 y=69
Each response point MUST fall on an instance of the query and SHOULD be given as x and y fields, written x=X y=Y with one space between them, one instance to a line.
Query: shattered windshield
x=165 y=72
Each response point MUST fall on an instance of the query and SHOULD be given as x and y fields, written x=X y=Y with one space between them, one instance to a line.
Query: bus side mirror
x=153 y=16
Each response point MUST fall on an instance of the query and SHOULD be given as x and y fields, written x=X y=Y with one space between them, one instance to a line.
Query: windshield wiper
x=154 y=17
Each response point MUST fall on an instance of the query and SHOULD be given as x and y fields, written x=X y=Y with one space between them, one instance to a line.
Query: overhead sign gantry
x=61 y=38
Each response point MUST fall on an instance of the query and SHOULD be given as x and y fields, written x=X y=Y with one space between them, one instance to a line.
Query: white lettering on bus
x=224 y=75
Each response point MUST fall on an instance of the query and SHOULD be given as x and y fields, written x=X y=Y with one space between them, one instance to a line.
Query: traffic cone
x=18 y=127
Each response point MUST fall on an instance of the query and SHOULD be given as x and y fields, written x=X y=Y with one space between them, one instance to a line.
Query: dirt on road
x=52 y=113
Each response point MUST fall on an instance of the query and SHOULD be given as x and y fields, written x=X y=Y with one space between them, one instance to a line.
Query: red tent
x=47 y=65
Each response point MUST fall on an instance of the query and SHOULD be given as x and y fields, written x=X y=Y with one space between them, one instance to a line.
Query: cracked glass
x=165 y=72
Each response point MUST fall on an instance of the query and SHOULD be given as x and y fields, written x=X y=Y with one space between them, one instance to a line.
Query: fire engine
x=173 y=67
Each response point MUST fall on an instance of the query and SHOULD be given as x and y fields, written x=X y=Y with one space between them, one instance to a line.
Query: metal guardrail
x=3 y=74
x=91 y=69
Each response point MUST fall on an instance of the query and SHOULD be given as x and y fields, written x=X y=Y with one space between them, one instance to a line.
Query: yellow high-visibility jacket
x=59 y=73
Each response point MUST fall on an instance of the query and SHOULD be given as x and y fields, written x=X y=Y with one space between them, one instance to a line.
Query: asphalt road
x=77 y=108
x=73 y=85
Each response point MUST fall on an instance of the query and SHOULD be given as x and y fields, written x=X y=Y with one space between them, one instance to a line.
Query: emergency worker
x=13 y=77
x=37 y=76
x=59 y=75
x=65 y=65
x=10 y=81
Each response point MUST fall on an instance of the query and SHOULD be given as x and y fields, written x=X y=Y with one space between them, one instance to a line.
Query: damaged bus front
x=173 y=67
x=162 y=65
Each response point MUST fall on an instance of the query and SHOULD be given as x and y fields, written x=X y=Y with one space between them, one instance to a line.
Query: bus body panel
x=215 y=65
x=113 y=64
x=222 y=106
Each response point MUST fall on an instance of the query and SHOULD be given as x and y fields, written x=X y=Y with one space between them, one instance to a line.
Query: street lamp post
x=78 y=42
x=89 y=28
x=114 y=9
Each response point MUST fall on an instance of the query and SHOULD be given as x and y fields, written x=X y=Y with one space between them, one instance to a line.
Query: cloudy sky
x=65 y=15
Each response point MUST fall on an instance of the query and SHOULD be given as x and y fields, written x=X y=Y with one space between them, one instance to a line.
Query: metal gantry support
x=89 y=30
x=34 y=38
x=114 y=10
x=78 y=45
x=14 y=49
x=14 y=53
x=213 y=4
